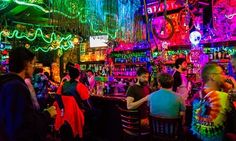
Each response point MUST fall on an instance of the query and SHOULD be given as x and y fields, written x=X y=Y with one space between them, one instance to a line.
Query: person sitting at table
x=137 y=96
x=165 y=102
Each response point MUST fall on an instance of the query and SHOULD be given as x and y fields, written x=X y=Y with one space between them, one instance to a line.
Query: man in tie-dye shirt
x=210 y=109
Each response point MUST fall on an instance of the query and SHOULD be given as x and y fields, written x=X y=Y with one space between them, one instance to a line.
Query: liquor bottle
x=105 y=90
x=214 y=55
x=222 y=54
x=211 y=56
x=227 y=56
x=219 y=54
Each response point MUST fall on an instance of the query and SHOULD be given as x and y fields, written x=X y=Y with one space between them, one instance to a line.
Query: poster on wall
x=224 y=19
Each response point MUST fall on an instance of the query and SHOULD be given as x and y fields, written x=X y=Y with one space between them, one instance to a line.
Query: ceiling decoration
x=85 y=17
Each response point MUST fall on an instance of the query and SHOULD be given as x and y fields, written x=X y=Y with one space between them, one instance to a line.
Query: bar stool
x=131 y=125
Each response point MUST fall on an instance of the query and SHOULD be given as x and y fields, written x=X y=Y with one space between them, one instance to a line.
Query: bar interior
x=122 y=69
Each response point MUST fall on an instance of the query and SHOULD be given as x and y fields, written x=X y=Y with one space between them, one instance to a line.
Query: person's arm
x=32 y=92
x=177 y=81
x=182 y=115
x=84 y=95
x=134 y=105
x=59 y=99
x=83 y=91
x=182 y=110
x=92 y=82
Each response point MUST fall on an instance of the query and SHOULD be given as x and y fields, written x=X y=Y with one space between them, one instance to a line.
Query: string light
x=94 y=15
x=230 y=50
x=37 y=33
x=50 y=48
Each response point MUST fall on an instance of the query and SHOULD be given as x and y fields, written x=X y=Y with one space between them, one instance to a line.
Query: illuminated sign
x=4 y=46
x=153 y=7
x=98 y=41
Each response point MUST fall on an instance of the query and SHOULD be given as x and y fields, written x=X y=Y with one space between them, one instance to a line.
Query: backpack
x=69 y=89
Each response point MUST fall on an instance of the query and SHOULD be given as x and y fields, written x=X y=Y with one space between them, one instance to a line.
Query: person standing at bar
x=74 y=96
x=91 y=79
x=137 y=95
x=19 y=121
x=67 y=76
x=34 y=99
x=211 y=106
x=180 y=80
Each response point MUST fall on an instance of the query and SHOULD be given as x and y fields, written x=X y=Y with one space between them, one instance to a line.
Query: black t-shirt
x=138 y=92
x=177 y=80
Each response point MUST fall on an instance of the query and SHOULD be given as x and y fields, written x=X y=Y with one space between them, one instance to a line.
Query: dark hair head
x=47 y=74
x=73 y=73
x=38 y=70
x=68 y=65
x=166 y=80
x=178 y=62
x=90 y=71
x=141 y=71
x=18 y=59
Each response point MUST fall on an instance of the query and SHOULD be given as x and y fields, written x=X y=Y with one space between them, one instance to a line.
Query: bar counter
x=106 y=120
x=116 y=98
x=107 y=124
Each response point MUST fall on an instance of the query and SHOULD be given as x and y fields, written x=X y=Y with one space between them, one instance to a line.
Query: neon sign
x=153 y=7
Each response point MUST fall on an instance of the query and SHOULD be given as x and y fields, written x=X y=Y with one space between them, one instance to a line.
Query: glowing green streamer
x=37 y=32
x=70 y=45
x=81 y=15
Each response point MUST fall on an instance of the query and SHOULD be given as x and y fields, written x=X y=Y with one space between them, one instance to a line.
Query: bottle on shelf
x=227 y=56
x=211 y=56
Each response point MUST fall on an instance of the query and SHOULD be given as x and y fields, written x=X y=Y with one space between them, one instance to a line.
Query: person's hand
x=146 y=98
x=52 y=111
x=231 y=80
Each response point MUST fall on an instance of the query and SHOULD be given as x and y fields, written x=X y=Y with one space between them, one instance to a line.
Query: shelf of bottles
x=4 y=57
x=219 y=54
x=95 y=66
x=127 y=62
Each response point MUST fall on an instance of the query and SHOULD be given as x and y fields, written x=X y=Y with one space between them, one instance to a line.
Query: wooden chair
x=164 y=129
x=131 y=125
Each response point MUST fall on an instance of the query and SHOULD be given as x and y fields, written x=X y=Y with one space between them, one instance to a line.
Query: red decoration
x=5 y=52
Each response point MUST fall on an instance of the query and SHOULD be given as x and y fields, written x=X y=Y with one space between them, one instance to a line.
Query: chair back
x=164 y=128
x=130 y=122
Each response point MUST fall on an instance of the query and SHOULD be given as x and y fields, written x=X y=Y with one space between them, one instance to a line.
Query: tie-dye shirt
x=209 y=115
